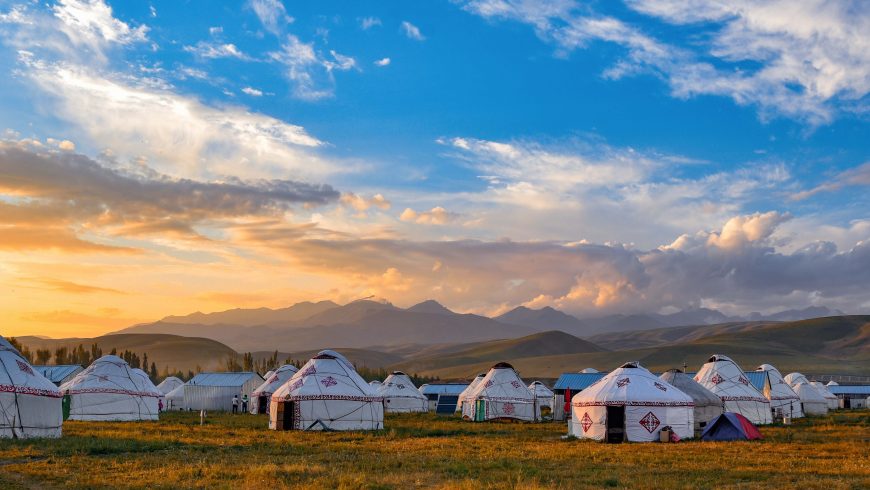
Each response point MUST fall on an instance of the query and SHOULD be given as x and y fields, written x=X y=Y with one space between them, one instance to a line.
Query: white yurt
x=812 y=401
x=726 y=380
x=630 y=403
x=400 y=394
x=544 y=395
x=375 y=384
x=782 y=398
x=708 y=406
x=30 y=404
x=261 y=396
x=326 y=394
x=174 y=400
x=589 y=371
x=169 y=384
x=501 y=394
x=109 y=389
x=830 y=383
x=468 y=391
x=833 y=401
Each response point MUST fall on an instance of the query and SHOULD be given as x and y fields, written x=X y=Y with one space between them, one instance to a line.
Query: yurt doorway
x=262 y=403
x=289 y=410
x=616 y=424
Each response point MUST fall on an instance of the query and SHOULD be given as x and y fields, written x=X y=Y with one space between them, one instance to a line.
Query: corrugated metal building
x=443 y=396
x=851 y=396
x=215 y=391
x=576 y=382
x=757 y=379
x=59 y=374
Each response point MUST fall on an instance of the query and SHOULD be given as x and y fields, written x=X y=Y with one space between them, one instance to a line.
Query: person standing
x=235 y=403
x=245 y=403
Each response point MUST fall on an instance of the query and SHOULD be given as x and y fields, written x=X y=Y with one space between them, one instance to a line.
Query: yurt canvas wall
x=262 y=395
x=109 y=389
x=783 y=399
x=468 y=391
x=708 y=406
x=727 y=380
x=30 y=404
x=833 y=401
x=501 y=394
x=400 y=394
x=215 y=391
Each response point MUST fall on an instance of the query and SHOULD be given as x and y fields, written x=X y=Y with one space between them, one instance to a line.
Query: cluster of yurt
x=726 y=380
x=109 y=389
x=400 y=394
x=30 y=404
x=262 y=395
x=631 y=404
x=326 y=394
x=813 y=402
x=501 y=395
x=708 y=405
x=833 y=401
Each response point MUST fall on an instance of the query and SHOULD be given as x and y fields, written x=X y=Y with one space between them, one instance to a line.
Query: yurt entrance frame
x=263 y=403
x=615 y=424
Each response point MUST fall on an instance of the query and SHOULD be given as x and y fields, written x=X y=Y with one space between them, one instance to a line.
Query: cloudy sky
x=596 y=156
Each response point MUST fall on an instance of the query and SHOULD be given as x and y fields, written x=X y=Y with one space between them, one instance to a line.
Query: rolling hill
x=172 y=351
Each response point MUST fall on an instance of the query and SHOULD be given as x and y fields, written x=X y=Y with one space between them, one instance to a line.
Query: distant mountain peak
x=430 y=306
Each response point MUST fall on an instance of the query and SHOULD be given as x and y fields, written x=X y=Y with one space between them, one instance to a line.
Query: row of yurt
x=261 y=396
x=326 y=394
x=501 y=395
x=109 y=389
x=833 y=401
x=400 y=394
x=631 y=404
x=726 y=380
x=30 y=404
x=813 y=402
x=708 y=405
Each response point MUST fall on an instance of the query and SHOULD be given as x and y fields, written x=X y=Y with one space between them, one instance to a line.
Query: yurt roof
x=728 y=380
x=177 y=393
x=795 y=378
x=683 y=382
x=540 y=389
x=501 y=383
x=278 y=378
x=326 y=376
x=399 y=384
x=588 y=370
x=833 y=383
x=111 y=373
x=17 y=376
x=808 y=392
x=633 y=384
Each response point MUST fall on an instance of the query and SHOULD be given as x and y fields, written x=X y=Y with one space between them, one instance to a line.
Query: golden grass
x=428 y=451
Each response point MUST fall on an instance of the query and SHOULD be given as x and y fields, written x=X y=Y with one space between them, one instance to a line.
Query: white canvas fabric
x=589 y=371
x=468 y=391
x=813 y=402
x=650 y=404
x=174 y=400
x=543 y=394
x=169 y=384
x=400 y=394
x=795 y=378
x=110 y=390
x=724 y=378
x=782 y=397
x=708 y=406
x=501 y=394
x=327 y=393
x=833 y=401
x=30 y=404
x=830 y=383
x=272 y=383
x=375 y=384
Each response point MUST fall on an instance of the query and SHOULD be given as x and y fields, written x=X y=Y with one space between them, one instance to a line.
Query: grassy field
x=429 y=451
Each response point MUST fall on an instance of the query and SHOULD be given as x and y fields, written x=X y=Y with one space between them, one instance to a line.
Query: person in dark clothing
x=244 y=403
x=235 y=403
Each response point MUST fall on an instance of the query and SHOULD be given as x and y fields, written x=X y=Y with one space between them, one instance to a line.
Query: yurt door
x=479 y=410
x=289 y=410
x=66 y=404
x=615 y=424
x=262 y=403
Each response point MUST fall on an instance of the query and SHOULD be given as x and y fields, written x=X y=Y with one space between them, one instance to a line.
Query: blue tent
x=730 y=426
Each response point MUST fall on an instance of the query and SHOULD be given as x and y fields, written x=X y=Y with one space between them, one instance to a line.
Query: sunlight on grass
x=428 y=451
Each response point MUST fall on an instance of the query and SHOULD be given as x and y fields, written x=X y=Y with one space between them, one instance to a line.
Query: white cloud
x=272 y=14
x=813 y=57
x=435 y=216
x=90 y=23
x=311 y=74
x=412 y=31
x=367 y=23
x=214 y=31
x=382 y=62
x=209 y=50
x=252 y=92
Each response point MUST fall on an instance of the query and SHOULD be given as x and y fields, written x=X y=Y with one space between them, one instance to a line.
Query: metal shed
x=443 y=396
x=215 y=391
x=59 y=374
x=576 y=382
x=851 y=396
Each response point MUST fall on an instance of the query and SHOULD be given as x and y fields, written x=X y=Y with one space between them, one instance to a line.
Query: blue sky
x=624 y=124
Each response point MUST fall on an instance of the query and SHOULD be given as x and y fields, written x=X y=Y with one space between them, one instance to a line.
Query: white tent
x=832 y=383
x=501 y=394
x=813 y=401
x=261 y=396
x=726 y=380
x=110 y=390
x=630 y=403
x=543 y=394
x=400 y=394
x=169 y=384
x=326 y=394
x=782 y=397
x=708 y=406
x=30 y=404
x=589 y=371
x=468 y=390
x=174 y=400
x=833 y=401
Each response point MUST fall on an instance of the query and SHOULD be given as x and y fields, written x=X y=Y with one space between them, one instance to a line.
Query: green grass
x=428 y=451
